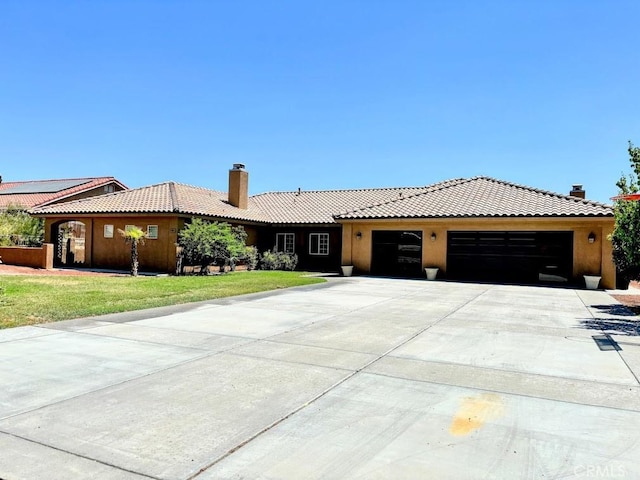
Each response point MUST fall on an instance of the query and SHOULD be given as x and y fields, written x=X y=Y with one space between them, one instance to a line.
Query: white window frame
x=288 y=240
x=149 y=235
x=108 y=231
x=323 y=244
x=129 y=227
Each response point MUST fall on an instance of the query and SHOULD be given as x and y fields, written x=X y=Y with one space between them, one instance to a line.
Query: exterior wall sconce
x=433 y=236
x=591 y=237
x=359 y=235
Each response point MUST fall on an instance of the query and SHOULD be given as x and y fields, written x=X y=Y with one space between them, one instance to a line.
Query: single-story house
x=478 y=228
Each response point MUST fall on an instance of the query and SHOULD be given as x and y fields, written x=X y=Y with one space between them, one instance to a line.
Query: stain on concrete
x=474 y=412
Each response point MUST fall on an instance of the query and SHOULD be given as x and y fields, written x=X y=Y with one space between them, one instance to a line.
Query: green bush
x=287 y=261
x=204 y=243
x=271 y=260
x=251 y=258
x=17 y=227
x=626 y=234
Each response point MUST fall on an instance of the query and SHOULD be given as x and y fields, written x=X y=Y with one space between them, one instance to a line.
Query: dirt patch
x=632 y=302
x=16 y=270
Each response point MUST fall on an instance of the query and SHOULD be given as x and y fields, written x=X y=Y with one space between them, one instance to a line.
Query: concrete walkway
x=359 y=378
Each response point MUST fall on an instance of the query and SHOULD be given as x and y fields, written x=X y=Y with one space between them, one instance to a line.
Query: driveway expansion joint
x=332 y=387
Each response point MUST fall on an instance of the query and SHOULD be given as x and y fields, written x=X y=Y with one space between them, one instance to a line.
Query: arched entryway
x=69 y=238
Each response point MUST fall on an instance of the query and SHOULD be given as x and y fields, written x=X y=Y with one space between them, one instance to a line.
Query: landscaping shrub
x=17 y=227
x=204 y=243
x=271 y=260
x=251 y=258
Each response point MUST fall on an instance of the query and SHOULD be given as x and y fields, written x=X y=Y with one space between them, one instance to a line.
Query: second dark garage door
x=527 y=257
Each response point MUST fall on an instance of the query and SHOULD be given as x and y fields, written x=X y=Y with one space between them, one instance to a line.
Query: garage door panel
x=510 y=256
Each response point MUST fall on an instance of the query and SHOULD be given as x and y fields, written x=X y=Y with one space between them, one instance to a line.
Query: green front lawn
x=25 y=300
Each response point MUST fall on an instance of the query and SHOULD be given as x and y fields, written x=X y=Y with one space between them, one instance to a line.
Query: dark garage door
x=527 y=257
x=396 y=253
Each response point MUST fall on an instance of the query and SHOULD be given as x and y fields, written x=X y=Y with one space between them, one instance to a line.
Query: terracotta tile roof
x=319 y=207
x=45 y=197
x=168 y=197
x=475 y=197
x=481 y=197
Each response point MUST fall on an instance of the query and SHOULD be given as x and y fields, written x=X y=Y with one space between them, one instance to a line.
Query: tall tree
x=133 y=236
x=626 y=233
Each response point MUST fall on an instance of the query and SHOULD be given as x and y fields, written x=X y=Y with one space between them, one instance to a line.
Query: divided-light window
x=285 y=242
x=152 y=231
x=319 y=244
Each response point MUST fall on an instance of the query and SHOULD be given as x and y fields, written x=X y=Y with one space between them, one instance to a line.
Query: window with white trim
x=108 y=231
x=128 y=228
x=285 y=242
x=318 y=244
x=152 y=231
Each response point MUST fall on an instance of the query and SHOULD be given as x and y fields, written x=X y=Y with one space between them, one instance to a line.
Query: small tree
x=204 y=243
x=133 y=236
x=626 y=233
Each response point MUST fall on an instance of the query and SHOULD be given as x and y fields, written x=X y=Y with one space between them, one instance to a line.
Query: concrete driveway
x=359 y=378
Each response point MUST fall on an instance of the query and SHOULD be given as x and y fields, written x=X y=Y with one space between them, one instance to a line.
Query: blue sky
x=323 y=94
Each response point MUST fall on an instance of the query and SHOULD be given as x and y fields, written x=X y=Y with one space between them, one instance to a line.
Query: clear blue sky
x=321 y=94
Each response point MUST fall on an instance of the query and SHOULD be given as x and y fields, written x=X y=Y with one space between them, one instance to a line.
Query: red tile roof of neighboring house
x=38 y=193
x=475 y=197
x=481 y=197
x=629 y=197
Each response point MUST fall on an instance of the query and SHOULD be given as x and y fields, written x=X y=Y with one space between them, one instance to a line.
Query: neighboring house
x=39 y=193
x=472 y=229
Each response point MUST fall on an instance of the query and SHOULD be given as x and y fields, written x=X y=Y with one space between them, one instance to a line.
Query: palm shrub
x=133 y=236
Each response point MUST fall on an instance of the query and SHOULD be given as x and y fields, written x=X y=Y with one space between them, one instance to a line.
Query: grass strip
x=27 y=300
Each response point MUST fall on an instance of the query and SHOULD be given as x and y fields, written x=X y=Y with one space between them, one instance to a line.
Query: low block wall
x=36 y=257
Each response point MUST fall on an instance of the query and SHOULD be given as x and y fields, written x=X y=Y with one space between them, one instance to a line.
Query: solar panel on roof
x=45 y=186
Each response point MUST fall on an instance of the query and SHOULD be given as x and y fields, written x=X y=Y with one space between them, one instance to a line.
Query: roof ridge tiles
x=340 y=190
x=540 y=190
x=434 y=187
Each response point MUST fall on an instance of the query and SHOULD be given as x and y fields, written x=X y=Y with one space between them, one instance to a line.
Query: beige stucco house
x=471 y=229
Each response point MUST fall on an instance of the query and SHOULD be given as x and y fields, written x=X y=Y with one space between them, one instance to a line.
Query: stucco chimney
x=577 y=191
x=239 y=186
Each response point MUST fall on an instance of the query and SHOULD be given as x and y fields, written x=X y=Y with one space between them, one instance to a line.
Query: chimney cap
x=238 y=166
x=577 y=186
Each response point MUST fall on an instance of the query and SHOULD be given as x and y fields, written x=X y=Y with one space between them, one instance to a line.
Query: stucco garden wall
x=36 y=257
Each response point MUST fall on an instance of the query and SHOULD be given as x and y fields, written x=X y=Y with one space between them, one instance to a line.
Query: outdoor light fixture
x=359 y=235
x=433 y=236
x=592 y=237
